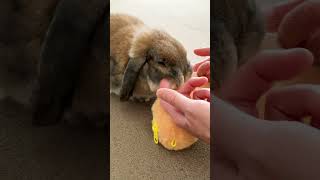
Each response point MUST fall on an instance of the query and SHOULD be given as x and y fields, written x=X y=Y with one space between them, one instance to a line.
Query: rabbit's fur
x=141 y=56
x=237 y=34
x=50 y=43
x=23 y=24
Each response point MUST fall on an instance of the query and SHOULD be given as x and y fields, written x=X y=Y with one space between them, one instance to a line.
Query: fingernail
x=159 y=92
x=162 y=92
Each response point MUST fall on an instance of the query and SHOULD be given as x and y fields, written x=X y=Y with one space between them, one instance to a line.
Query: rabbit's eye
x=162 y=62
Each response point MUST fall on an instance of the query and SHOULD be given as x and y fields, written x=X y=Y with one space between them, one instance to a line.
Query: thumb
x=177 y=117
x=173 y=98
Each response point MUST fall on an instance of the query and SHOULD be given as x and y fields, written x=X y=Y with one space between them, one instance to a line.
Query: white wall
x=186 y=20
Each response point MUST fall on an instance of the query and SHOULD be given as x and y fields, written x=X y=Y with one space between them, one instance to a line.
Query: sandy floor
x=133 y=152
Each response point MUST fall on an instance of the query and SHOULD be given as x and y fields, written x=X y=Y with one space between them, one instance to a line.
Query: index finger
x=192 y=84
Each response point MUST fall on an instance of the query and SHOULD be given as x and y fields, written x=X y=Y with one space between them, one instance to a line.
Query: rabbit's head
x=155 y=55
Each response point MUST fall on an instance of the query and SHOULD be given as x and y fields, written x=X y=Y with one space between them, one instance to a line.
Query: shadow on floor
x=55 y=152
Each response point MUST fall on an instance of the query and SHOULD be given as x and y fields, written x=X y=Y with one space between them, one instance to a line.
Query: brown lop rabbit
x=141 y=56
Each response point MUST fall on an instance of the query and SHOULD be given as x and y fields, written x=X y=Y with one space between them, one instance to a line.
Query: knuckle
x=190 y=108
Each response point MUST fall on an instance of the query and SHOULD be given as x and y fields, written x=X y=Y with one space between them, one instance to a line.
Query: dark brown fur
x=25 y=49
x=23 y=24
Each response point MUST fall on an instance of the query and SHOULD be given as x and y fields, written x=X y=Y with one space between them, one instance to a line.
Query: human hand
x=202 y=68
x=297 y=23
x=293 y=103
x=253 y=80
x=192 y=115
x=252 y=148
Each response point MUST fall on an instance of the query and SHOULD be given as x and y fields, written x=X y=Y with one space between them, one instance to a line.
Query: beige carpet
x=133 y=152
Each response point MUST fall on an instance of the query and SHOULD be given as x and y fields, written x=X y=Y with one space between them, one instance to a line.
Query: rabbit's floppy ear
x=130 y=77
x=68 y=37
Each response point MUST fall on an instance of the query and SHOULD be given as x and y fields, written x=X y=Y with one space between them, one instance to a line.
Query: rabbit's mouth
x=175 y=76
x=154 y=86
